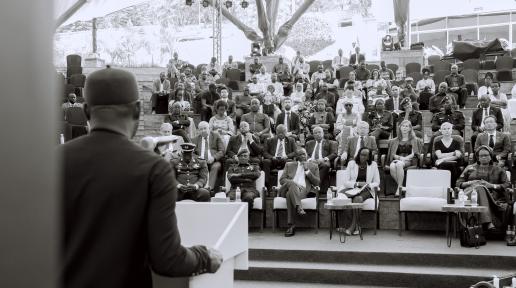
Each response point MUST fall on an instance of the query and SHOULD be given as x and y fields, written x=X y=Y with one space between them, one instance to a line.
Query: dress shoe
x=291 y=231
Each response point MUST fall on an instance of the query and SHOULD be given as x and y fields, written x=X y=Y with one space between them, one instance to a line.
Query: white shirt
x=320 y=150
x=358 y=105
x=299 y=179
x=205 y=145
x=285 y=121
x=421 y=84
x=256 y=88
x=264 y=78
x=339 y=61
x=483 y=90
x=283 y=153
x=396 y=102
x=485 y=113
x=278 y=89
x=358 y=146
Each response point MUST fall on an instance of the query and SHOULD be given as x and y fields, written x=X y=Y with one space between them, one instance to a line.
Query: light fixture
x=244 y=4
x=229 y=4
x=205 y=3
x=189 y=2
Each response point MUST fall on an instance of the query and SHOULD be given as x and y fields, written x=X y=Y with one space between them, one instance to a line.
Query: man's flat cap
x=111 y=86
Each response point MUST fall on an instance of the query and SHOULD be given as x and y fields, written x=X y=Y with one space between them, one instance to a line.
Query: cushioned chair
x=416 y=76
x=233 y=75
x=412 y=67
x=425 y=191
x=372 y=67
x=198 y=70
x=78 y=80
x=503 y=63
x=471 y=64
x=280 y=203
x=258 y=203
x=442 y=66
x=393 y=67
x=327 y=64
x=488 y=65
x=313 y=66
x=504 y=75
x=371 y=204
x=434 y=59
x=471 y=79
x=344 y=72
x=240 y=65
x=439 y=77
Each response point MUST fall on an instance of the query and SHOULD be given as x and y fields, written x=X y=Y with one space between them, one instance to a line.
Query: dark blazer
x=389 y=104
x=476 y=118
x=294 y=124
x=353 y=58
x=311 y=180
x=235 y=142
x=329 y=149
x=118 y=213
x=216 y=145
x=502 y=143
x=350 y=144
x=269 y=150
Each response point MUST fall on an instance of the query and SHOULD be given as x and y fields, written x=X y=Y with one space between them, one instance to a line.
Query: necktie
x=362 y=142
x=491 y=141
x=484 y=114
x=204 y=149
x=279 y=153
x=287 y=121
x=317 y=149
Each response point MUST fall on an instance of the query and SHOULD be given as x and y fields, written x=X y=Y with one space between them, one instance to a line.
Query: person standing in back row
x=118 y=200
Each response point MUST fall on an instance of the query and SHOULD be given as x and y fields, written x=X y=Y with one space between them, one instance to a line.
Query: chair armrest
x=402 y=191
x=450 y=195
x=275 y=191
x=420 y=159
x=382 y=162
x=263 y=192
x=427 y=161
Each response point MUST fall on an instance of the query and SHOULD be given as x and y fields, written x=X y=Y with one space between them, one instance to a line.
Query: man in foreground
x=118 y=205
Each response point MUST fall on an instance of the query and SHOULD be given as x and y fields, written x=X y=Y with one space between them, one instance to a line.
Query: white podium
x=222 y=226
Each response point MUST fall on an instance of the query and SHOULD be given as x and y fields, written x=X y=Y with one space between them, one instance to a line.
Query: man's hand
x=215 y=260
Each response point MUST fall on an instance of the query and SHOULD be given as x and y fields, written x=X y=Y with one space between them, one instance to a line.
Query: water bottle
x=461 y=198
x=474 y=198
x=513 y=285
x=496 y=281
x=329 y=196
x=237 y=195
x=61 y=139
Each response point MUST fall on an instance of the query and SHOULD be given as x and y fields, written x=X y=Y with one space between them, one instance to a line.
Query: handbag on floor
x=472 y=235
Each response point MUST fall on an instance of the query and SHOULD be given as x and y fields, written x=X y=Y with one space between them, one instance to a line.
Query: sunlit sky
x=382 y=9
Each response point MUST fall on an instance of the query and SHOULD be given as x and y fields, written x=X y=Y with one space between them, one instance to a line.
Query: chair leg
x=274 y=221
x=316 y=222
x=262 y=214
x=400 y=215
x=377 y=221
x=406 y=221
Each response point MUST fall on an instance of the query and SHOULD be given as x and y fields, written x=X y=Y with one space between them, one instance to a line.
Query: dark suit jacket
x=216 y=145
x=235 y=142
x=350 y=145
x=119 y=216
x=269 y=150
x=311 y=180
x=353 y=58
x=294 y=124
x=329 y=149
x=502 y=143
x=476 y=118
x=389 y=104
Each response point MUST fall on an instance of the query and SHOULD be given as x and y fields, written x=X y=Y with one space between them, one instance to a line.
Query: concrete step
x=269 y=284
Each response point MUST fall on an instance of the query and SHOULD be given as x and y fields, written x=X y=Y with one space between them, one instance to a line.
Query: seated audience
x=352 y=78
x=191 y=174
x=457 y=85
x=415 y=117
x=254 y=67
x=380 y=122
x=491 y=183
x=376 y=85
x=277 y=151
x=393 y=103
x=256 y=88
x=499 y=100
x=243 y=175
x=448 y=115
x=296 y=59
x=356 y=58
x=182 y=97
x=214 y=69
x=330 y=97
x=278 y=86
x=167 y=151
x=339 y=61
x=323 y=152
x=349 y=146
x=330 y=82
x=351 y=94
x=410 y=92
x=221 y=123
x=72 y=102
x=297 y=97
x=224 y=96
x=361 y=172
x=282 y=70
x=243 y=140
x=386 y=73
x=174 y=66
x=263 y=77
x=362 y=73
x=242 y=104
x=322 y=119
x=210 y=148
x=160 y=94
x=306 y=110
x=229 y=65
x=498 y=141
x=208 y=98
x=426 y=89
x=347 y=121
x=477 y=119
x=436 y=103
x=448 y=151
x=205 y=79
x=318 y=75
x=189 y=76
x=298 y=181
x=486 y=88
x=301 y=69
x=259 y=123
x=289 y=119
x=269 y=107
x=403 y=152
x=180 y=122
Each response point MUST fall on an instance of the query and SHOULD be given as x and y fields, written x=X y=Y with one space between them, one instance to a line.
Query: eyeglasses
x=348 y=105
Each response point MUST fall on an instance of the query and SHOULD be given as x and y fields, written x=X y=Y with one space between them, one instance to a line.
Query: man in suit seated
x=191 y=174
x=393 y=103
x=457 y=85
x=277 y=151
x=477 y=119
x=243 y=140
x=299 y=180
x=259 y=123
x=436 y=103
x=289 y=119
x=348 y=148
x=210 y=148
x=160 y=94
x=180 y=122
x=244 y=174
x=362 y=73
x=498 y=141
x=356 y=58
x=323 y=152
x=282 y=70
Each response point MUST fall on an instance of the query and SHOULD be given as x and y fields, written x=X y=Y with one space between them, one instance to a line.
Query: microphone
x=150 y=142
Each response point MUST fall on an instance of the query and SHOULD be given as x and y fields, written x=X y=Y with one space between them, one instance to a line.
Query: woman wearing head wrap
x=491 y=183
x=298 y=96
x=347 y=121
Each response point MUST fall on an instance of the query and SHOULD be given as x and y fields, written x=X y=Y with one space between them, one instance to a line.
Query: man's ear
x=87 y=111
x=137 y=110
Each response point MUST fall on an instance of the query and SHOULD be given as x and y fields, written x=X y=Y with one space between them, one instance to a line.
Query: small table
x=459 y=210
x=334 y=209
